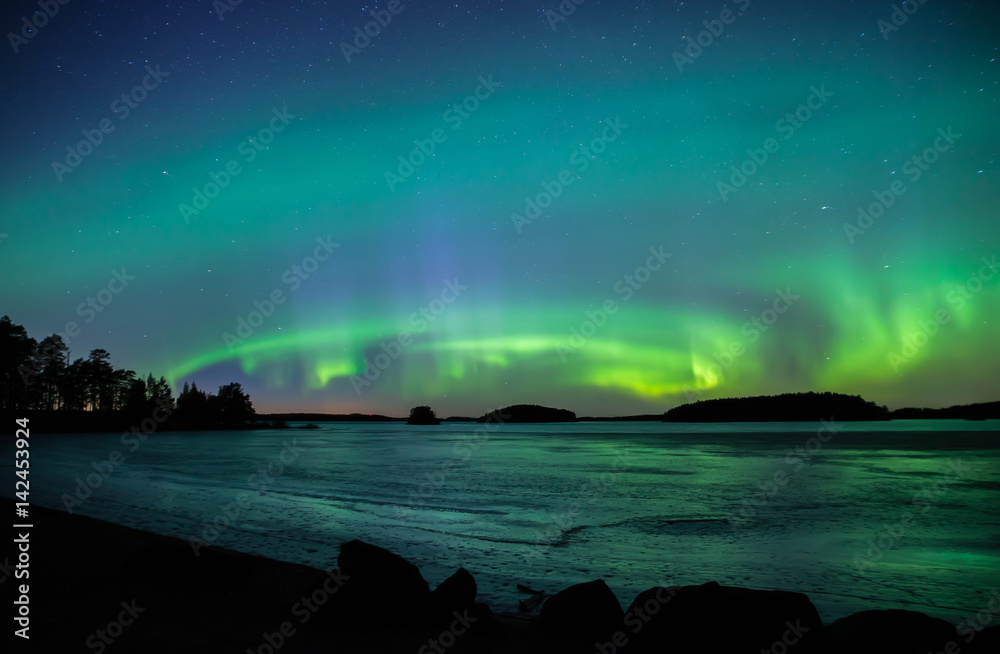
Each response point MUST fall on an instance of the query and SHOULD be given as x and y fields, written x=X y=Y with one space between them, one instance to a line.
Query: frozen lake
x=867 y=515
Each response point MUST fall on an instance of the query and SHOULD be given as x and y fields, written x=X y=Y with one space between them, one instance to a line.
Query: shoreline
x=87 y=573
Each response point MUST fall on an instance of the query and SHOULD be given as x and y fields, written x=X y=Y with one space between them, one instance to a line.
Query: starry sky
x=612 y=210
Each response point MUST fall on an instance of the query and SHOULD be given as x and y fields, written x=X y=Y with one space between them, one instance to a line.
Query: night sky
x=377 y=210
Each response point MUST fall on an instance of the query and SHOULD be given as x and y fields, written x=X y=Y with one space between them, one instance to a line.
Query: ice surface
x=637 y=504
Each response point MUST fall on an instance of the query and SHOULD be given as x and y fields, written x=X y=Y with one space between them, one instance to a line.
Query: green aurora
x=904 y=311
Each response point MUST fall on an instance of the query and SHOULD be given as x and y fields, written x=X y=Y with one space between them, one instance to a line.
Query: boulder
x=714 y=618
x=587 y=612
x=456 y=593
x=986 y=641
x=892 y=631
x=381 y=588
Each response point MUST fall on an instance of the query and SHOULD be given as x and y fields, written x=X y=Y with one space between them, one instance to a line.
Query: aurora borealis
x=484 y=205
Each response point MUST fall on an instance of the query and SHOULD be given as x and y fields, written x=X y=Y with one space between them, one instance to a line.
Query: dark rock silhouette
x=222 y=601
x=891 y=632
x=529 y=413
x=422 y=415
x=380 y=586
x=533 y=601
x=457 y=593
x=986 y=641
x=789 y=407
x=587 y=612
x=714 y=618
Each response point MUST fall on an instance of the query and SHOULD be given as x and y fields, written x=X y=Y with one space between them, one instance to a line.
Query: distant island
x=645 y=417
x=327 y=417
x=40 y=381
x=422 y=415
x=788 y=407
x=980 y=411
x=528 y=413
x=811 y=407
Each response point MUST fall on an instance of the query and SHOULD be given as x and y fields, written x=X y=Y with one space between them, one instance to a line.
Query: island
x=422 y=415
x=528 y=413
x=787 y=407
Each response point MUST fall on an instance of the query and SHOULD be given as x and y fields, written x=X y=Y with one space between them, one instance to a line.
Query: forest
x=43 y=379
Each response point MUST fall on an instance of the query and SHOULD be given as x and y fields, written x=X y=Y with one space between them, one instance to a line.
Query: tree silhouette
x=192 y=406
x=135 y=398
x=17 y=366
x=234 y=406
x=99 y=380
x=40 y=376
x=422 y=415
x=158 y=393
x=51 y=358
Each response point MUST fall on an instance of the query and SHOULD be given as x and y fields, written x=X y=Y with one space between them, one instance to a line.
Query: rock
x=456 y=593
x=381 y=588
x=588 y=612
x=986 y=641
x=175 y=563
x=714 y=618
x=891 y=631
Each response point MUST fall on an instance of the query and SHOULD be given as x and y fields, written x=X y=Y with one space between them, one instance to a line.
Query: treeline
x=40 y=377
x=980 y=411
x=528 y=413
x=788 y=407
